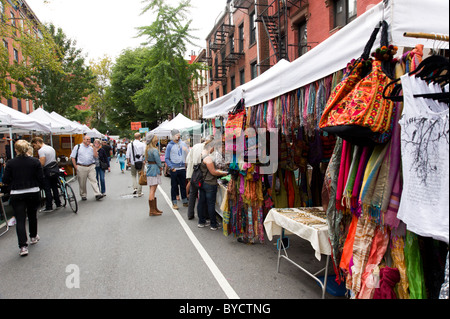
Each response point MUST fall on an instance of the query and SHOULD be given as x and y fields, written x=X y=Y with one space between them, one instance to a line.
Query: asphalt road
x=112 y=249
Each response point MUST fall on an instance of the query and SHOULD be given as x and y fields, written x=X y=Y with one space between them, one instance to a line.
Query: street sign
x=135 y=126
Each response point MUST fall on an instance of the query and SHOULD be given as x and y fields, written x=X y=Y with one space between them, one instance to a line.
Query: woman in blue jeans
x=100 y=172
x=208 y=189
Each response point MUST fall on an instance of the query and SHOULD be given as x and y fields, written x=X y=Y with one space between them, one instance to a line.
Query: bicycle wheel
x=62 y=195
x=72 y=199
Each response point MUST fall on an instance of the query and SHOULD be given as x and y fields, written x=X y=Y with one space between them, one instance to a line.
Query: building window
x=252 y=28
x=302 y=39
x=241 y=38
x=254 y=70
x=16 y=55
x=224 y=89
x=242 y=76
x=19 y=105
x=217 y=93
x=233 y=82
x=344 y=12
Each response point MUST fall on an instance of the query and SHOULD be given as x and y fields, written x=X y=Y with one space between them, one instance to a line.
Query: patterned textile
x=365 y=230
x=389 y=277
x=398 y=258
x=359 y=102
x=379 y=246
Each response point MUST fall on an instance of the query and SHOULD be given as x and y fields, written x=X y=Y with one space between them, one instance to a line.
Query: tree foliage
x=156 y=78
x=39 y=51
x=62 y=91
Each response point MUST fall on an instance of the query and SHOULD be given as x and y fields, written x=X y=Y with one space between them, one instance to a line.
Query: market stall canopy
x=78 y=127
x=57 y=126
x=13 y=121
x=334 y=53
x=95 y=133
x=180 y=122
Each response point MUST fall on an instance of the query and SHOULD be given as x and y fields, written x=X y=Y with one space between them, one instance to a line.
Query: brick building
x=253 y=35
x=17 y=13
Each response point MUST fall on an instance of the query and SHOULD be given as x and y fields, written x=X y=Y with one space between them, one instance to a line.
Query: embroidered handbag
x=356 y=110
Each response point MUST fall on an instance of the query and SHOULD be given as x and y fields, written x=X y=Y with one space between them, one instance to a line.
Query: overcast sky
x=109 y=26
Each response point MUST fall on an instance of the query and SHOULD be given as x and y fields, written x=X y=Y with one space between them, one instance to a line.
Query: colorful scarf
x=389 y=277
x=398 y=261
x=372 y=180
x=344 y=169
x=365 y=230
x=355 y=206
x=379 y=246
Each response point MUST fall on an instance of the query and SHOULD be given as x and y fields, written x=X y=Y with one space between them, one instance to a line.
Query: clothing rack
x=422 y=35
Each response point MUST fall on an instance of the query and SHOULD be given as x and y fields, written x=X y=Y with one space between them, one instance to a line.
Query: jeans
x=178 y=179
x=207 y=202
x=51 y=186
x=25 y=205
x=100 y=174
x=193 y=194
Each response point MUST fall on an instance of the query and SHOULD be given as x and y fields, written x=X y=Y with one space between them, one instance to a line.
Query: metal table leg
x=314 y=276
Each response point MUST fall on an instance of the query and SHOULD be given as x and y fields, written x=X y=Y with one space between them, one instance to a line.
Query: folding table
x=308 y=223
x=3 y=213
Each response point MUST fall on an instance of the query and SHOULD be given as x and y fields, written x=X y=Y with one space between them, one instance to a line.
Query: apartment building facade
x=17 y=14
x=251 y=36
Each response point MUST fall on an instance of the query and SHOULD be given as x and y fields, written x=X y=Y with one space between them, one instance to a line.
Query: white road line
x=226 y=287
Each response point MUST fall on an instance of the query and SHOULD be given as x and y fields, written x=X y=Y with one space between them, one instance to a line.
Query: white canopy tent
x=57 y=126
x=334 y=53
x=13 y=121
x=95 y=133
x=180 y=122
x=76 y=126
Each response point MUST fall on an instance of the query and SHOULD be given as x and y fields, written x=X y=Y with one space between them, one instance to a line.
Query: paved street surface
x=120 y=252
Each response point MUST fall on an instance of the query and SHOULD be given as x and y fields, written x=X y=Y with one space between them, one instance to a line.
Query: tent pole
x=11 y=142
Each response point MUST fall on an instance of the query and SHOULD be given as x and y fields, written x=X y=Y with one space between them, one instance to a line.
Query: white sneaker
x=140 y=194
x=23 y=251
x=34 y=240
x=12 y=221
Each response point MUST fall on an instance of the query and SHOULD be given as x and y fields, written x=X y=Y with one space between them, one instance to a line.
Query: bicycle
x=66 y=193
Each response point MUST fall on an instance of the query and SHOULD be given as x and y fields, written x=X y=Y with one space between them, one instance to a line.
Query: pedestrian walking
x=208 y=189
x=83 y=159
x=101 y=165
x=121 y=158
x=47 y=158
x=193 y=158
x=176 y=153
x=135 y=158
x=154 y=169
x=25 y=177
x=109 y=153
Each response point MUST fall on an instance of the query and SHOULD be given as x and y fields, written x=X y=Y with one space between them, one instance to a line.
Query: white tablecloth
x=306 y=222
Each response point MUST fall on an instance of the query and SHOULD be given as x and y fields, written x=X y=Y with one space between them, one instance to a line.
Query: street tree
x=63 y=91
x=97 y=100
x=167 y=88
x=22 y=34
x=127 y=78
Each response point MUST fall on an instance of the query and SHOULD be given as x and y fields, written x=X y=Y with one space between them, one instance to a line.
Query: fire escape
x=274 y=19
x=226 y=54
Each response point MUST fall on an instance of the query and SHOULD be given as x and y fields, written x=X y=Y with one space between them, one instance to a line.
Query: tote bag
x=356 y=110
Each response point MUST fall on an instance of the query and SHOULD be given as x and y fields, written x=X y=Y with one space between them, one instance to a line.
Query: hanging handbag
x=356 y=110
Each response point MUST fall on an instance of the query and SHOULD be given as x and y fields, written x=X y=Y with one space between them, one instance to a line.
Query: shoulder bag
x=356 y=110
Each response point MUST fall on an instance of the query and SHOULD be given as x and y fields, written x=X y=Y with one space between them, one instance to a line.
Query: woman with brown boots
x=154 y=168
